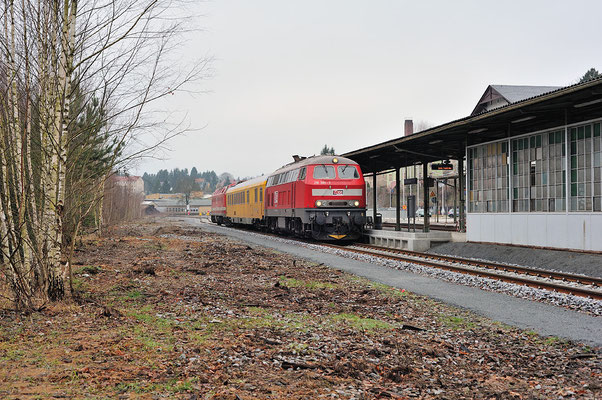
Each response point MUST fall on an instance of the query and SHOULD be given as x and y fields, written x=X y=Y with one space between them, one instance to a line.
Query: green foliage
x=91 y=156
x=327 y=151
x=291 y=283
x=455 y=322
x=180 y=181
x=592 y=73
x=88 y=269
x=363 y=324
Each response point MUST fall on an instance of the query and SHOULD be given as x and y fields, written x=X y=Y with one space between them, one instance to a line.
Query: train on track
x=322 y=197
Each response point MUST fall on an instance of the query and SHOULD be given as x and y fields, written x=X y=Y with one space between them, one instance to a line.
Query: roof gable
x=513 y=93
x=508 y=94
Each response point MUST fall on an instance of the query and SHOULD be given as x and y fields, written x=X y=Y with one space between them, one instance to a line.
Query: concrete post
x=461 y=179
x=397 y=201
x=455 y=199
x=425 y=180
x=374 y=198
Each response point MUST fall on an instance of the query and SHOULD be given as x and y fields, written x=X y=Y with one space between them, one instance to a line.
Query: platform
x=414 y=241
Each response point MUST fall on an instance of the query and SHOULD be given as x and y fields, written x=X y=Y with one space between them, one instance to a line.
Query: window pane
x=324 y=172
x=348 y=172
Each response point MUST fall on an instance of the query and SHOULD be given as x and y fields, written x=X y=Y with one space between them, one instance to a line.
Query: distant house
x=496 y=96
x=179 y=206
x=134 y=183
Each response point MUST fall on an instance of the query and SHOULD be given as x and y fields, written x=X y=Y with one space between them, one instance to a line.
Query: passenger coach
x=245 y=202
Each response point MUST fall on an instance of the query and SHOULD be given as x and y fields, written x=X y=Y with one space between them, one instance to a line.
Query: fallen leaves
x=178 y=313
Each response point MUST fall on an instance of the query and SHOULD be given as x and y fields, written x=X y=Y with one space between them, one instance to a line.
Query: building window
x=537 y=173
x=554 y=177
x=488 y=178
x=585 y=190
x=597 y=149
x=520 y=175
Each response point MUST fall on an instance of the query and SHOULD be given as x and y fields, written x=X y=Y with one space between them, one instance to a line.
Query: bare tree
x=77 y=81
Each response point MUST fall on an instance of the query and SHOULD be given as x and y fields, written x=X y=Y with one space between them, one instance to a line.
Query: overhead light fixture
x=516 y=121
x=478 y=130
x=587 y=103
x=374 y=156
x=435 y=141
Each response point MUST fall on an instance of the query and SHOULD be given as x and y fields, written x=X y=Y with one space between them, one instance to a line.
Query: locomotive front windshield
x=343 y=171
x=348 y=172
x=324 y=172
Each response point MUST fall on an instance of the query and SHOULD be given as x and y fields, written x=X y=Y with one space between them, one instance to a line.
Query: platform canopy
x=573 y=104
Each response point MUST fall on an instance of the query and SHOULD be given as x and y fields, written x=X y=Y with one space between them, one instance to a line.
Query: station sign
x=410 y=181
x=444 y=166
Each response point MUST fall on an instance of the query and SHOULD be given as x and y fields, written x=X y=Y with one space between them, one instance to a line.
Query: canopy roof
x=577 y=103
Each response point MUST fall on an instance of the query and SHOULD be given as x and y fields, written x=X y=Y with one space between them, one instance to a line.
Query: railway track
x=580 y=285
x=561 y=282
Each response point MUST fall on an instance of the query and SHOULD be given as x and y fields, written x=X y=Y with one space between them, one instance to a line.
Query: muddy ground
x=171 y=312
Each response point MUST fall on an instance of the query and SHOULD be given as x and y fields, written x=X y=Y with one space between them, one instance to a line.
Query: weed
x=134 y=294
x=79 y=285
x=388 y=291
x=171 y=386
x=12 y=355
x=359 y=323
x=125 y=387
x=298 y=348
x=455 y=322
x=311 y=285
x=88 y=269
x=156 y=245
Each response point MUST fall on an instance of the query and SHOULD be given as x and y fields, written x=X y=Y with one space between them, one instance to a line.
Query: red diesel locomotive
x=218 y=206
x=322 y=197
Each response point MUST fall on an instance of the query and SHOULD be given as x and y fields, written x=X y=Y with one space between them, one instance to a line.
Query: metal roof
x=179 y=202
x=568 y=105
x=326 y=159
x=514 y=93
x=248 y=182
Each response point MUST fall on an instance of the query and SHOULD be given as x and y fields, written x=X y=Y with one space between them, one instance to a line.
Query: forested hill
x=184 y=181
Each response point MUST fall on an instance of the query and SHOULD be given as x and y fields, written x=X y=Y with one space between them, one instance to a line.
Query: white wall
x=579 y=231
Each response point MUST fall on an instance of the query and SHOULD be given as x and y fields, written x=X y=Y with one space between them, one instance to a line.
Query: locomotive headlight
x=335 y=160
x=318 y=203
x=356 y=203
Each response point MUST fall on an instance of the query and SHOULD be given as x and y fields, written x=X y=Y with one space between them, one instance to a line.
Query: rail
x=486 y=270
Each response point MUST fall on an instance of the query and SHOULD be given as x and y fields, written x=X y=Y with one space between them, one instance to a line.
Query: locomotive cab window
x=348 y=172
x=324 y=172
x=302 y=174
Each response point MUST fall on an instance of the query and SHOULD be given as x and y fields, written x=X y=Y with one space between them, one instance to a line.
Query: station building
x=533 y=165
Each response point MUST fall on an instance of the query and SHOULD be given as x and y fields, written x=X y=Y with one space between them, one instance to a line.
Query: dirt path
x=169 y=312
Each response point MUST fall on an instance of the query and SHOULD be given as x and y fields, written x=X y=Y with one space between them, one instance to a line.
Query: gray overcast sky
x=293 y=75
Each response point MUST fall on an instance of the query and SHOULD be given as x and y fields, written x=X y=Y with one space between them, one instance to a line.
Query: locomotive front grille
x=338 y=203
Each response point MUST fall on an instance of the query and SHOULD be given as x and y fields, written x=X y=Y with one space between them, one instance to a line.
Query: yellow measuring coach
x=244 y=202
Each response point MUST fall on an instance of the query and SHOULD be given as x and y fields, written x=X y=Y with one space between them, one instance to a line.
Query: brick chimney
x=408 y=127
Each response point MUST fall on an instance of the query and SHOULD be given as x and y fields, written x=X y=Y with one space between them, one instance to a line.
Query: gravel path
x=545 y=319
x=565 y=261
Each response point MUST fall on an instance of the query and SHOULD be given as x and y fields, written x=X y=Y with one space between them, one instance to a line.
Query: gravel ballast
x=554 y=260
